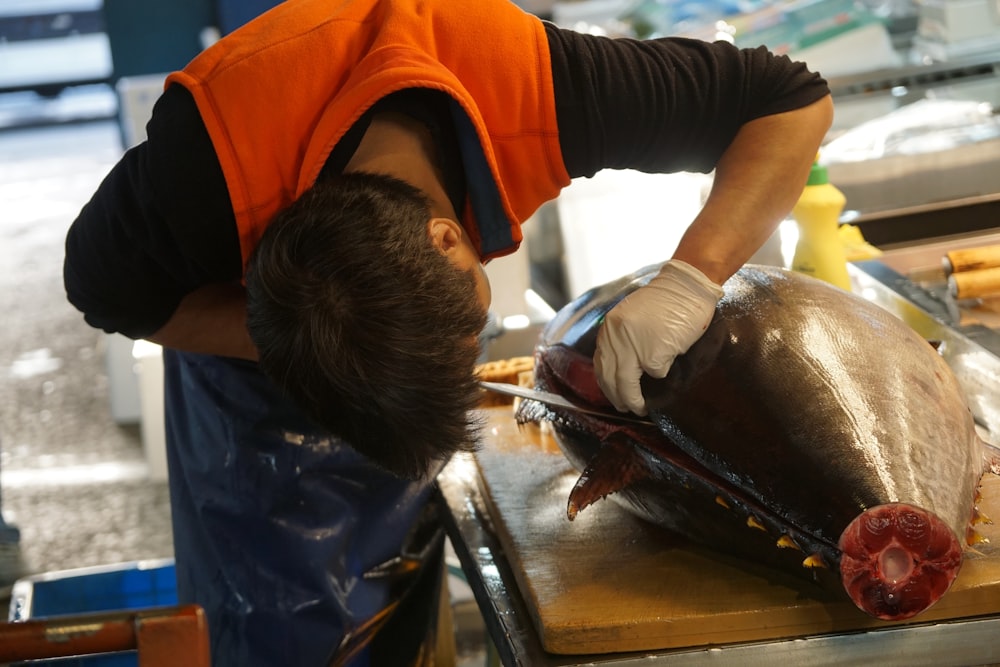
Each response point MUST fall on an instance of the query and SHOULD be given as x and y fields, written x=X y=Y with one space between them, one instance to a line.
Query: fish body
x=807 y=429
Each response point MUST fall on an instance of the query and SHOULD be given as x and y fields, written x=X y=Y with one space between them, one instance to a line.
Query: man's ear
x=445 y=233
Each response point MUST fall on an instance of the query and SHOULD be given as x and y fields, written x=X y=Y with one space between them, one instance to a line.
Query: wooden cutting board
x=609 y=582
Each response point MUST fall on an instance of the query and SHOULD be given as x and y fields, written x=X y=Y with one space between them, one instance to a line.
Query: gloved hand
x=649 y=328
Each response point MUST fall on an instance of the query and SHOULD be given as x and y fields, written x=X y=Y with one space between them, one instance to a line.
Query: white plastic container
x=149 y=365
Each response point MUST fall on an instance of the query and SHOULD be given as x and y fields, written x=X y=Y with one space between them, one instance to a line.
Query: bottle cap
x=818 y=175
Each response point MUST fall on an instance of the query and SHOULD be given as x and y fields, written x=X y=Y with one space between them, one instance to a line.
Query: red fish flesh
x=808 y=429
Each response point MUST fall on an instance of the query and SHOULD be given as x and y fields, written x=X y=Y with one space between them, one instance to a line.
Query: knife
x=555 y=400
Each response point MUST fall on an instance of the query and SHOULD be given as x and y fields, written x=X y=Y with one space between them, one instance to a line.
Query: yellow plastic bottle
x=820 y=250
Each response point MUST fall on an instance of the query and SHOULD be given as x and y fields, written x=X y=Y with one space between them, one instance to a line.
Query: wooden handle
x=162 y=636
x=971 y=259
x=972 y=284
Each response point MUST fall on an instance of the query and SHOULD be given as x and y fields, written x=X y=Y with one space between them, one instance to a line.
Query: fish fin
x=974 y=537
x=991 y=457
x=614 y=467
x=980 y=517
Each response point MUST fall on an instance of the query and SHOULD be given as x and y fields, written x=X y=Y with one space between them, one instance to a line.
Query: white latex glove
x=649 y=328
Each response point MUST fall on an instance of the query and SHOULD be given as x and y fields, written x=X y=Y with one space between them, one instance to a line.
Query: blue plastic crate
x=134 y=585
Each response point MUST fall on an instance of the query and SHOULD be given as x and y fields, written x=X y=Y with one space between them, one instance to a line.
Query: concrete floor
x=74 y=483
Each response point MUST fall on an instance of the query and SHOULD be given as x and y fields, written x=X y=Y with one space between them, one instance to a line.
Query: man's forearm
x=210 y=320
x=757 y=181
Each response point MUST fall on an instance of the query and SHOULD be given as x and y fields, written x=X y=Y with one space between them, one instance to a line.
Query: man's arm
x=210 y=320
x=757 y=182
x=758 y=179
x=155 y=252
x=665 y=105
x=671 y=105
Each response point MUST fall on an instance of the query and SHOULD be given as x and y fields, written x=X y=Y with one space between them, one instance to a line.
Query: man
x=318 y=193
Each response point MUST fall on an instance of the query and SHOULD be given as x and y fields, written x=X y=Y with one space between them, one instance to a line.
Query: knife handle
x=972 y=284
x=971 y=259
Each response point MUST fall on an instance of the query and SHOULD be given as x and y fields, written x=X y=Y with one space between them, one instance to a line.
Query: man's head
x=367 y=314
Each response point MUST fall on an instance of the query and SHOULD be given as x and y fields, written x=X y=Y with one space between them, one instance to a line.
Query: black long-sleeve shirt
x=161 y=224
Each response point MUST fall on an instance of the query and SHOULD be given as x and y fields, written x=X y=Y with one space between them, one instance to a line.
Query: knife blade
x=555 y=400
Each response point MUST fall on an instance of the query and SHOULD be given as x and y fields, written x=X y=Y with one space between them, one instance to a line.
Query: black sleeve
x=664 y=105
x=159 y=226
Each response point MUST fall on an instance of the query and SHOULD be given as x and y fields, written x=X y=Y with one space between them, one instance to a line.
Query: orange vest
x=279 y=93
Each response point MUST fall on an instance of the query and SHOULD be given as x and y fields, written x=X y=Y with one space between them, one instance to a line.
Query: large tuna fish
x=808 y=429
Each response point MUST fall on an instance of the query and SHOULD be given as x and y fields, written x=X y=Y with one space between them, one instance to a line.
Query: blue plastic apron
x=276 y=524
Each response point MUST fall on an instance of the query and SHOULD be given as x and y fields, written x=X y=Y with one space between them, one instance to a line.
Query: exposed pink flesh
x=898 y=560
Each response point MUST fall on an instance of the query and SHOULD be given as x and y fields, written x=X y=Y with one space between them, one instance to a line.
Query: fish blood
x=897 y=559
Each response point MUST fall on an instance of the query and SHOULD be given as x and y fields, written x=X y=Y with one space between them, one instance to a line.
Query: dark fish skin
x=808 y=430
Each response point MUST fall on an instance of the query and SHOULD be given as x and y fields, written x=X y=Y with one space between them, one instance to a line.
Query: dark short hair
x=369 y=328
